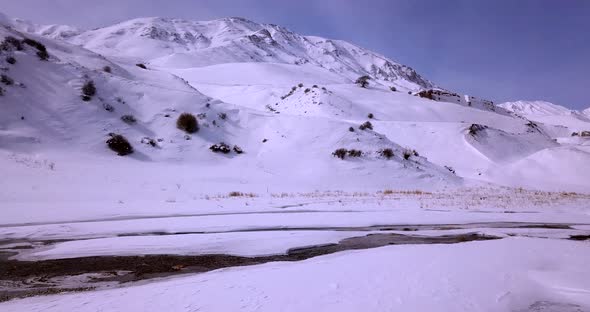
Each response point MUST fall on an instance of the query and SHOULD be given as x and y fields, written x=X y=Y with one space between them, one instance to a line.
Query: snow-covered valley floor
x=537 y=262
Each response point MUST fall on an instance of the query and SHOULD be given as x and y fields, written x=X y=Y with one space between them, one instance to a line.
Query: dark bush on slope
x=355 y=153
x=43 y=55
x=119 y=144
x=187 y=122
x=363 y=81
x=89 y=89
x=386 y=152
x=6 y=80
x=128 y=119
x=41 y=49
x=10 y=43
x=340 y=153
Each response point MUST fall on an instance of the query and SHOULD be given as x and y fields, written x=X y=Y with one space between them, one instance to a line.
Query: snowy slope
x=550 y=114
x=284 y=98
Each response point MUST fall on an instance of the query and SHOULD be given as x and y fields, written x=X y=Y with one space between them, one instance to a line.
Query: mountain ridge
x=232 y=39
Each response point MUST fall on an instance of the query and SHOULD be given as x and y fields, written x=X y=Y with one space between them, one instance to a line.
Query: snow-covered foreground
x=512 y=274
x=456 y=165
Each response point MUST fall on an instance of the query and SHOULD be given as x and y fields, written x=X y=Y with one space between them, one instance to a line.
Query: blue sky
x=496 y=49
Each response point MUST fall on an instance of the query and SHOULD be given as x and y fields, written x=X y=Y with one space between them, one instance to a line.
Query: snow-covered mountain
x=288 y=101
x=537 y=108
x=175 y=43
x=550 y=113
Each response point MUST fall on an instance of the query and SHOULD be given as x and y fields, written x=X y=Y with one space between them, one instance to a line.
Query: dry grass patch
x=240 y=194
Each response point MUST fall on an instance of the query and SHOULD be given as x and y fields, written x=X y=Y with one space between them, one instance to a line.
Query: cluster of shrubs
x=293 y=89
x=475 y=128
x=10 y=60
x=582 y=134
x=370 y=116
x=107 y=69
x=41 y=49
x=225 y=149
x=392 y=88
x=119 y=144
x=388 y=153
x=88 y=90
x=300 y=85
x=342 y=153
x=409 y=153
x=366 y=125
x=11 y=43
x=533 y=127
x=6 y=80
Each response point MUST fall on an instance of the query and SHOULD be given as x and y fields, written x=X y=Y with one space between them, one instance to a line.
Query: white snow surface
x=550 y=113
x=513 y=274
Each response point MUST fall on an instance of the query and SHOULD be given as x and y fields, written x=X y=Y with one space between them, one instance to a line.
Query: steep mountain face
x=175 y=43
